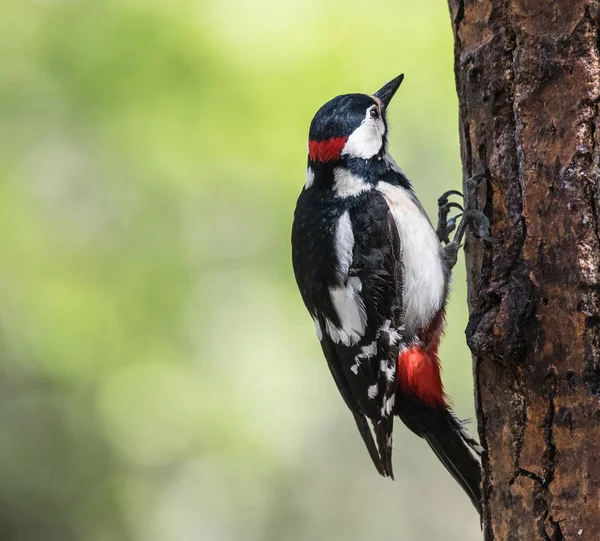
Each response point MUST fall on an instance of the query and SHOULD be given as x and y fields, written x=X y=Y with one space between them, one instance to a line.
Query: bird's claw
x=452 y=205
x=443 y=199
x=480 y=223
x=446 y=225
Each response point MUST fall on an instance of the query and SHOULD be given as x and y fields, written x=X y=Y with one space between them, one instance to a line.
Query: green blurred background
x=160 y=379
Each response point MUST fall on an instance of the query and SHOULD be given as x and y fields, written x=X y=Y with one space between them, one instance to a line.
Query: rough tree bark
x=528 y=80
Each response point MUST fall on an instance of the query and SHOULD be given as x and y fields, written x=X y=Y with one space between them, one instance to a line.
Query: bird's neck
x=321 y=174
x=355 y=175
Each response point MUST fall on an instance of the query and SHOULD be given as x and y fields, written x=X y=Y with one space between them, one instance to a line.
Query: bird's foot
x=470 y=215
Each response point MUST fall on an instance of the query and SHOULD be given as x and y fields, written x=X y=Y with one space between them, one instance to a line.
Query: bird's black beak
x=386 y=93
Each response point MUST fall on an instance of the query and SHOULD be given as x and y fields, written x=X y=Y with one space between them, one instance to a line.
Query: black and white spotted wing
x=347 y=263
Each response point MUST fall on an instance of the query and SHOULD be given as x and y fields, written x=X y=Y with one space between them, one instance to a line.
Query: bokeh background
x=159 y=377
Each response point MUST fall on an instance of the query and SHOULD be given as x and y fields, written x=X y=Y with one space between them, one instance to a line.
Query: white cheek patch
x=347 y=184
x=366 y=140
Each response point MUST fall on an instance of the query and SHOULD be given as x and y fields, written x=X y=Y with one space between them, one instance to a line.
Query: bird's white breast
x=424 y=278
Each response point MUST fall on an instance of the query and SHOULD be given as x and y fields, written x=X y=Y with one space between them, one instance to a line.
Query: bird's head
x=351 y=126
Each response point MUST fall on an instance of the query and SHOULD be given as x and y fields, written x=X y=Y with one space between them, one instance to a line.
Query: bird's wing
x=361 y=344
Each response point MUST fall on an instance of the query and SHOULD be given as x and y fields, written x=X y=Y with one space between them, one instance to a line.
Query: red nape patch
x=325 y=151
x=419 y=373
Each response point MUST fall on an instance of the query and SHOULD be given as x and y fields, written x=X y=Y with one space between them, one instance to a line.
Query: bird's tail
x=450 y=441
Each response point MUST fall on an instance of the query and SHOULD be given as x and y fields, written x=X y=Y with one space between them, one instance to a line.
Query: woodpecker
x=374 y=275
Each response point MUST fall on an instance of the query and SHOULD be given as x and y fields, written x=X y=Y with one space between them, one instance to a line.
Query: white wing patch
x=347 y=184
x=318 y=329
x=366 y=140
x=388 y=406
x=344 y=245
x=351 y=312
x=393 y=334
x=346 y=297
x=388 y=368
x=366 y=352
x=424 y=279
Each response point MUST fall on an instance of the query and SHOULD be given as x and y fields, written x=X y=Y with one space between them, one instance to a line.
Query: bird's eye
x=374 y=113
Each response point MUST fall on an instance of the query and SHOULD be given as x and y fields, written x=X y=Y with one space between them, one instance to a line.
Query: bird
x=374 y=276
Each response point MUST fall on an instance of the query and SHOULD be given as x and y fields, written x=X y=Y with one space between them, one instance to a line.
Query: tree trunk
x=528 y=81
